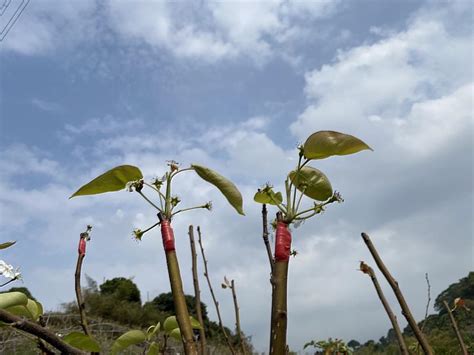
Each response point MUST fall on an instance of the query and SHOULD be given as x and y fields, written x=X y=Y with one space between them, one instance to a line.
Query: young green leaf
x=35 y=308
x=176 y=334
x=227 y=187
x=112 y=180
x=312 y=182
x=195 y=323
x=151 y=331
x=127 y=339
x=82 y=341
x=38 y=307
x=20 y=311
x=154 y=349
x=32 y=309
x=324 y=144
x=6 y=245
x=268 y=196
x=10 y=299
x=170 y=323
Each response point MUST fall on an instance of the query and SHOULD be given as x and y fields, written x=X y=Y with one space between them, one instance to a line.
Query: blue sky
x=88 y=85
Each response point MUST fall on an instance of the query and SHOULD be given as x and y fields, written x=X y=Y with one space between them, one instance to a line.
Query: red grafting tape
x=81 y=249
x=167 y=235
x=282 y=242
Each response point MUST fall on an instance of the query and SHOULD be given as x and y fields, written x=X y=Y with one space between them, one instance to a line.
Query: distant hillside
x=113 y=308
x=438 y=327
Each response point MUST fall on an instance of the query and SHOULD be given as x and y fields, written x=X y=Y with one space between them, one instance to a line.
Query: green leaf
x=227 y=187
x=10 y=299
x=6 y=245
x=312 y=182
x=324 y=144
x=195 y=323
x=20 y=311
x=176 y=333
x=154 y=349
x=82 y=341
x=268 y=196
x=32 y=309
x=113 y=180
x=127 y=339
x=170 y=324
x=35 y=308
x=39 y=308
x=151 y=331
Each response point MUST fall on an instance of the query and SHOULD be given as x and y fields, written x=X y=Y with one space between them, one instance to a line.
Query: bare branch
x=197 y=292
x=366 y=269
x=39 y=331
x=456 y=329
x=398 y=293
x=426 y=309
x=216 y=304
x=265 y=235
x=237 y=317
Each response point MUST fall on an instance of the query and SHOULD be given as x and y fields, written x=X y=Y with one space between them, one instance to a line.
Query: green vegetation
x=330 y=346
x=23 y=290
x=306 y=181
x=131 y=178
x=438 y=328
x=118 y=300
x=121 y=289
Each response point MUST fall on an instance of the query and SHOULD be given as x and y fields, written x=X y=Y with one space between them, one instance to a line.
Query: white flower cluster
x=9 y=271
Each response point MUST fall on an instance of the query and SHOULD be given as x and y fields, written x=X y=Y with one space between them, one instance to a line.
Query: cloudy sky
x=236 y=86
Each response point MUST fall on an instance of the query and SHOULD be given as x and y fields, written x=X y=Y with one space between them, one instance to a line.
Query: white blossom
x=9 y=271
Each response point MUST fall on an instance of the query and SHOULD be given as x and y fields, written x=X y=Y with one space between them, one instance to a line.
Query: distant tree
x=369 y=343
x=354 y=344
x=91 y=284
x=464 y=288
x=22 y=290
x=164 y=303
x=121 y=289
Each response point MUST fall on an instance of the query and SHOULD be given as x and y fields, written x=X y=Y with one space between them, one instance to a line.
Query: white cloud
x=257 y=122
x=406 y=94
x=47 y=24
x=222 y=30
x=104 y=125
x=210 y=32
x=19 y=159
x=321 y=276
x=45 y=105
x=389 y=91
x=433 y=124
